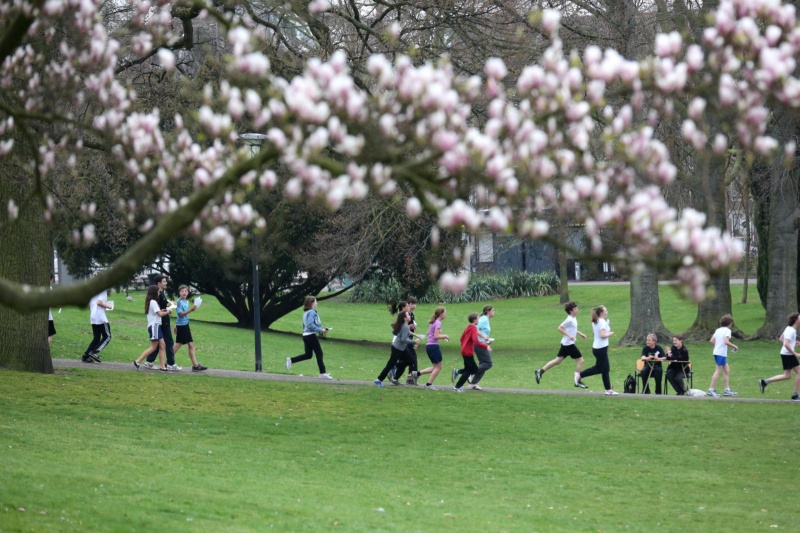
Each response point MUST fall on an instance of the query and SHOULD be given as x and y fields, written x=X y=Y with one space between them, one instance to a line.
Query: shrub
x=376 y=289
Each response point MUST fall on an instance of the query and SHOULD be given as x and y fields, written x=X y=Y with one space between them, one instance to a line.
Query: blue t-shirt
x=483 y=325
x=183 y=306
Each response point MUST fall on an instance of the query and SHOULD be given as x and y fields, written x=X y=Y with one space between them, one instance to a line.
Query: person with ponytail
x=602 y=332
x=154 y=315
x=402 y=340
x=432 y=347
x=312 y=326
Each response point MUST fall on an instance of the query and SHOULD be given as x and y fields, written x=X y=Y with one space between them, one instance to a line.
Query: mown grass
x=107 y=451
x=358 y=345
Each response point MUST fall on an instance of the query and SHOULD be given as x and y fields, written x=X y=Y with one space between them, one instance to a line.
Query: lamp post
x=254 y=140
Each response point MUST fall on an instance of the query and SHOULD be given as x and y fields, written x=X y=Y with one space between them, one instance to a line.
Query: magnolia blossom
x=539 y=155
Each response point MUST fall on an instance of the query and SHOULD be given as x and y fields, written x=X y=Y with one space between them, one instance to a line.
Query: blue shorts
x=434 y=353
x=155 y=333
x=721 y=360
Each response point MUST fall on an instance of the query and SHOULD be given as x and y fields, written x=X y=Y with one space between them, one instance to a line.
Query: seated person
x=676 y=371
x=652 y=355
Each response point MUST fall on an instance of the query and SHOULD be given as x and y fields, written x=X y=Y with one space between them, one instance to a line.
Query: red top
x=469 y=339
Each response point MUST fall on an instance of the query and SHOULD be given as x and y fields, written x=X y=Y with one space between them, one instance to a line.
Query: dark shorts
x=569 y=351
x=184 y=335
x=51 y=328
x=789 y=362
x=434 y=352
x=155 y=332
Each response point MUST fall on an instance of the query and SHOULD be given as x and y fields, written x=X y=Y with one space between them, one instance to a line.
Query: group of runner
x=475 y=344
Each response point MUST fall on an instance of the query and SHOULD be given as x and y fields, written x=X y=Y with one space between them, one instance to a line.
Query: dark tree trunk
x=748 y=239
x=783 y=235
x=25 y=257
x=564 y=278
x=712 y=309
x=561 y=257
x=759 y=188
x=709 y=197
x=645 y=311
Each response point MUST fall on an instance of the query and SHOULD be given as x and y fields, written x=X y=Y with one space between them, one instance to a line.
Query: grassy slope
x=92 y=451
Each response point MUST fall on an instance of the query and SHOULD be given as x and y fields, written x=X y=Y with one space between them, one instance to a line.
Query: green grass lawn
x=84 y=450
x=107 y=451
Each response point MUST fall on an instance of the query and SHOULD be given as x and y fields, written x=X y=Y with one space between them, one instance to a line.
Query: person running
x=678 y=358
x=101 y=330
x=569 y=329
x=154 y=326
x=166 y=327
x=410 y=362
x=311 y=327
x=469 y=340
x=432 y=347
x=721 y=341
x=652 y=355
x=400 y=343
x=183 y=335
x=789 y=358
x=394 y=308
x=602 y=332
x=484 y=356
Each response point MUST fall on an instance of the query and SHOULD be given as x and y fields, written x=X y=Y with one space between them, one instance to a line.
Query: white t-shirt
x=97 y=313
x=720 y=348
x=791 y=334
x=152 y=314
x=597 y=327
x=570 y=325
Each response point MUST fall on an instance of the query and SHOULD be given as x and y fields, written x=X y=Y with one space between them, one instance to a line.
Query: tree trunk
x=645 y=311
x=709 y=197
x=759 y=190
x=717 y=305
x=564 y=279
x=25 y=257
x=782 y=250
x=748 y=239
x=561 y=257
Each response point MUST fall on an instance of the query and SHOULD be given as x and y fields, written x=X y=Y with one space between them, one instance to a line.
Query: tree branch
x=27 y=299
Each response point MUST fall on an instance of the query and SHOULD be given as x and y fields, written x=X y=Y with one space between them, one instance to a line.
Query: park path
x=442 y=387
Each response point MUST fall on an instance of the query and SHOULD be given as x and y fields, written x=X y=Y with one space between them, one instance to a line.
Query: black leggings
x=311 y=343
x=601 y=366
x=410 y=362
x=394 y=359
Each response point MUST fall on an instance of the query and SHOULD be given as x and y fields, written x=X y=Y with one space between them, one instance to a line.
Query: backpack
x=629 y=386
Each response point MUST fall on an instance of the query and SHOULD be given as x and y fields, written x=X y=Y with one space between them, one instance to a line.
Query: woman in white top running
x=789 y=357
x=602 y=332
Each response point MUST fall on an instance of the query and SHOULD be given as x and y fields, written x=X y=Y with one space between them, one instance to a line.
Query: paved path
x=442 y=387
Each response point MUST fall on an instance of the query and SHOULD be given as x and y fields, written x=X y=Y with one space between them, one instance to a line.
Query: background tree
x=411 y=134
x=782 y=244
